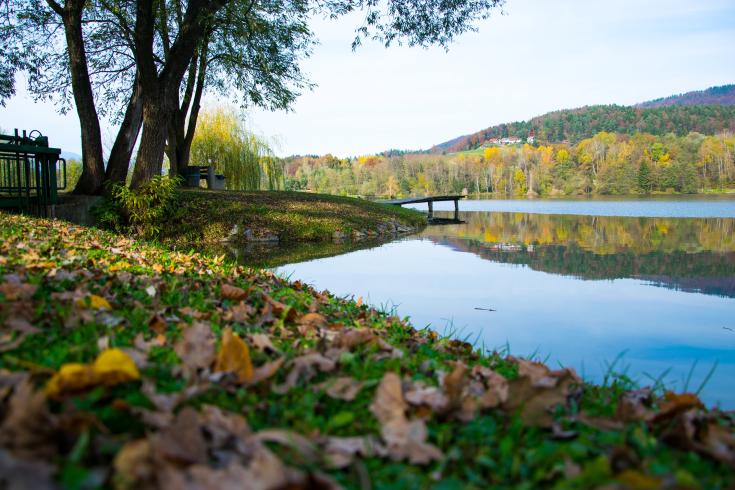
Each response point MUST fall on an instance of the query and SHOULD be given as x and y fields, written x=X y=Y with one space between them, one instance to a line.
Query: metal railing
x=31 y=173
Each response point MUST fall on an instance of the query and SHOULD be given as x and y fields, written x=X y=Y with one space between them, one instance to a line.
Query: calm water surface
x=577 y=288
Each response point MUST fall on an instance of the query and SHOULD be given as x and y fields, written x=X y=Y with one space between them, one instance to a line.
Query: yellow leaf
x=71 y=377
x=118 y=266
x=234 y=356
x=95 y=303
x=111 y=367
x=114 y=366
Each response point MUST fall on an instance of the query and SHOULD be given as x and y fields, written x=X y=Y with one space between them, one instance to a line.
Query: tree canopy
x=146 y=64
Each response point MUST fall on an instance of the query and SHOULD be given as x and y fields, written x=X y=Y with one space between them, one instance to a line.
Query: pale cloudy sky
x=536 y=57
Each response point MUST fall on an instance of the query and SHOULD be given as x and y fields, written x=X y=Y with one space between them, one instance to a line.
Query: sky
x=534 y=57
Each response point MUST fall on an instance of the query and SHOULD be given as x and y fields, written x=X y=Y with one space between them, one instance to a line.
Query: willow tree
x=223 y=141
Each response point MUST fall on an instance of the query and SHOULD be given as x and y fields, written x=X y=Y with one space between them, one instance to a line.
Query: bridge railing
x=31 y=173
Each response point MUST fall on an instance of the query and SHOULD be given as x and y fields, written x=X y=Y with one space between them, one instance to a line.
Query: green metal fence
x=31 y=173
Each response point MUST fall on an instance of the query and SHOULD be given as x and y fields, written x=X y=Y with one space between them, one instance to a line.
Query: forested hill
x=724 y=95
x=708 y=112
x=573 y=125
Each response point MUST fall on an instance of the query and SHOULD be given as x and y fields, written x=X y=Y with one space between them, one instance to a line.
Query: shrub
x=141 y=211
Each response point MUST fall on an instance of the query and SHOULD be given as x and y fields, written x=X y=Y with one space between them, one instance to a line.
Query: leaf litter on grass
x=192 y=386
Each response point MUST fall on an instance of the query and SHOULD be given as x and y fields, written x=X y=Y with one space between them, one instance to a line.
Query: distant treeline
x=574 y=125
x=605 y=163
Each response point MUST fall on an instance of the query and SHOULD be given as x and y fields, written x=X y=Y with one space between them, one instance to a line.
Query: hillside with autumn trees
x=606 y=163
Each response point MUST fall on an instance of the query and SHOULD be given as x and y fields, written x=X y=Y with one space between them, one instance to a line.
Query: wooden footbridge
x=430 y=200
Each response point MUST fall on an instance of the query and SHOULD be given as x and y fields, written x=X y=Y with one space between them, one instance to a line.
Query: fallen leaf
x=341 y=388
x=262 y=342
x=234 y=357
x=94 y=302
x=295 y=441
x=112 y=366
x=233 y=292
x=28 y=428
x=157 y=324
x=267 y=370
x=429 y=396
x=182 y=442
x=339 y=452
x=21 y=474
x=313 y=321
x=196 y=348
x=305 y=367
x=675 y=404
x=404 y=439
x=537 y=391
x=14 y=290
x=134 y=463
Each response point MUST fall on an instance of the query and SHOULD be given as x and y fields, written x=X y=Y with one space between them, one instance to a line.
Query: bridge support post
x=431 y=209
x=456 y=210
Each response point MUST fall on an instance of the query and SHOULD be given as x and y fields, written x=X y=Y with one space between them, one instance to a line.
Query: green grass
x=83 y=432
x=207 y=217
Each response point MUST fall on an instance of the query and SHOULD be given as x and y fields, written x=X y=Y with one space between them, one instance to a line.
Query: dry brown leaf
x=134 y=464
x=429 y=396
x=635 y=405
x=675 y=404
x=353 y=337
x=305 y=367
x=222 y=428
x=234 y=357
x=233 y=292
x=267 y=370
x=280 y=310
x=341 y=388
x=21 y=325
x=157 y=324
x=339 y=452
x=389 y=403
x=262 y=342
x=404 y=439
x=303 y=446
x=182 y=442
x=454 y=384
x=537 y=391
x=496 y=386
x=239 y=312
x=313 y=321
x=22 y=474
x=28 y=428
x=14 y=290
x=196 y=348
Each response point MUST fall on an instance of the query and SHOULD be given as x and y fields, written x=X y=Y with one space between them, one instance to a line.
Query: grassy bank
x=208 y=217
x=127 y=365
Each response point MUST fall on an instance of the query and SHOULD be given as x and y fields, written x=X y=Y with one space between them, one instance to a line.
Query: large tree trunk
x=157 y=88
x=149 y=160
x=122 y=150
x=93 y=169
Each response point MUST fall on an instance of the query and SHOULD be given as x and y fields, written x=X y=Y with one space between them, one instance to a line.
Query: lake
x=577 y=283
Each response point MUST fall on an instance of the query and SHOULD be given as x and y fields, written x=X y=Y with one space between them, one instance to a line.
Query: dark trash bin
x=192 y=175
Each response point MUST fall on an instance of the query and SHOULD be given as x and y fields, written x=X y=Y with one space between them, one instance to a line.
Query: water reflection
x=695 y=255
x=578 y=289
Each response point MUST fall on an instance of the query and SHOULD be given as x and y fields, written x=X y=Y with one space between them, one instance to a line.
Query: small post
x=456 y=210
x=431 y=209
x=210 y=174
